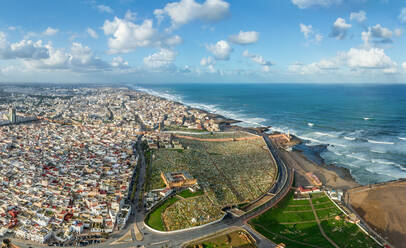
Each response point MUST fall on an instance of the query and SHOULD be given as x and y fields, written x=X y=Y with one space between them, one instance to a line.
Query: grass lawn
x=154 y=219
x=347 y=235
x=187 y=193
x=344 y=234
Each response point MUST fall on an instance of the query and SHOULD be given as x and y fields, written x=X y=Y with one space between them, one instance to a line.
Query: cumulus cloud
x=374 y=58
x=104 y=9
x=353 y=59
x=50 y=31
x=340 y=29
x=25 y=49
x=186 y=11
x=119 y=62
x=266 y=64
x=207 y=61
x=221 y=50
x=163 y=59
x=92 y=33
x=310 y=34
x=78 y=58
x=402 y=15
x=244 y=38
x=379 y=35
x=128 y=36
x=304 y=4
x=360 y=16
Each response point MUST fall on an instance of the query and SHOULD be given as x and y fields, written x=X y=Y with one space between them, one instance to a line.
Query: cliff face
x=382 y=206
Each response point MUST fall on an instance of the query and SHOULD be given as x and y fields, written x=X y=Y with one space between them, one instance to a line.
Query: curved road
x=156 y=239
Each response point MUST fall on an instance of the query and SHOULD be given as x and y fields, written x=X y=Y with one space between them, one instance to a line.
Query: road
x=156 y=239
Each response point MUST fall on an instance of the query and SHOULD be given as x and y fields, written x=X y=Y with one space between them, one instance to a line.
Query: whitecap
x=402 y=138
x=310 y=139
x=381 y=142
x=326 y=134
x=310 y=124
x=376 y=151
x=355 y=157
x=366 y=118
x=349 y=138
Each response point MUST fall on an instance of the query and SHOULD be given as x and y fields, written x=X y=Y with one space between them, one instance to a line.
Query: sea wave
x=349 y=138
x=376 y=151
x=326 y=134
x=381 y=142
x=211 y=108
x=308 y=138
x=356 y=157
x=402 y=138
x=379 y=161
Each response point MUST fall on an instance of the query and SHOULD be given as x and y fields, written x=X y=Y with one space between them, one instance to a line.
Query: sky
x=199 y=41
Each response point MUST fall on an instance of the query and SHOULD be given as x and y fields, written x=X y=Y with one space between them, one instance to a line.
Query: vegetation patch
x=187 y=193
x=154 y=219
x=283 y=224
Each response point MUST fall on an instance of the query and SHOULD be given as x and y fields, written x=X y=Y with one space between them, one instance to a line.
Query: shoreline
x=347 y=180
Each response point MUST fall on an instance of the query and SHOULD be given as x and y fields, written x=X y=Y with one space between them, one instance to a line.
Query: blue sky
x=322 y=41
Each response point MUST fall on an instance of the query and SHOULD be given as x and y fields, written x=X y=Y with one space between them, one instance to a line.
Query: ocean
x=364 y=126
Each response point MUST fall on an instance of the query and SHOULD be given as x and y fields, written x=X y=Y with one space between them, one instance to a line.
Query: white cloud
x=128 y=36
x=306 y=30
x=92 y=33
x=207 y=61
x=25 y=49
x=340 y=29
x=353 y=60
x=310 y=34
x=266 y=64
x=50 y=31
x=359 y=16
x=163 y=59
x=119 y=62
x=221 y=50
x=378 y=34
x=304 y=4
x=373 y=58
x=79 y=58
x=402 y=15
x=185 y=11
x=174 y=40
x=404 y=66
x=244 y=38
x=131 y=16
x=104 y=8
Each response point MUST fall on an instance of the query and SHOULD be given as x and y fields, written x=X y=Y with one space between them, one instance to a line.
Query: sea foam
x=381 y=142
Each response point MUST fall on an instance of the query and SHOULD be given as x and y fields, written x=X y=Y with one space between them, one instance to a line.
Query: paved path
x=320 y=227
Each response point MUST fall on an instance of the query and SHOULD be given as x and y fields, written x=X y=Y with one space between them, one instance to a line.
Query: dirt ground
x=383 y=207
x=333 y=176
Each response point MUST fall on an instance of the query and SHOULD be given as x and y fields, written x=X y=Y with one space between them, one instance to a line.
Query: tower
x=12 y=117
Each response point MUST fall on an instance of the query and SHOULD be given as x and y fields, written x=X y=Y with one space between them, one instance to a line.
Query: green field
x=154 y=219
x=187 y=193
x=299 y=229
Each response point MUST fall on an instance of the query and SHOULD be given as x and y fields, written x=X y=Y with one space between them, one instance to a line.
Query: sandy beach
x=330 y=175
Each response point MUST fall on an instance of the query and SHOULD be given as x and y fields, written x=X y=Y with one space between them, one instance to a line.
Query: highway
x=156 y=239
